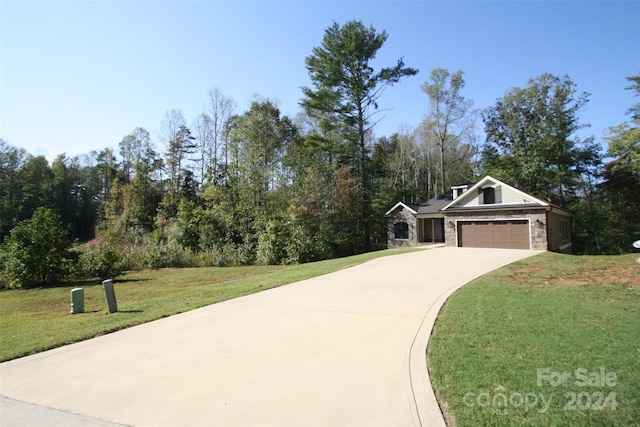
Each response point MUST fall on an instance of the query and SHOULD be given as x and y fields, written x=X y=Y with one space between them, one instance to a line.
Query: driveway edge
x=424 y=406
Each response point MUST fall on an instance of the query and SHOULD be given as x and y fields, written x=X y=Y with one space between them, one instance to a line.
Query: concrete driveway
x=344 y=349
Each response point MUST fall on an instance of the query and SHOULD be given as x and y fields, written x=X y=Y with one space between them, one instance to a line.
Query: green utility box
x=112 y=306
x=77 y=300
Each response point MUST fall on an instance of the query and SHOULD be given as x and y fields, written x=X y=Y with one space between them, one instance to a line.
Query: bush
x=164 y=255
x=37 y=251
x=271 y=245
x=105 y=261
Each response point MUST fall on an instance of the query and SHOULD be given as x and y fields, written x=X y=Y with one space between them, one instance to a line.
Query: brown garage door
x=511 y=234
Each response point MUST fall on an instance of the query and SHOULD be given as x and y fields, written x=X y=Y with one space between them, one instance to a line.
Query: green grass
x=39 y=319
x=557 y=312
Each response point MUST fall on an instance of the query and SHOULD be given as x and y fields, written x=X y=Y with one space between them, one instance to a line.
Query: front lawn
x=550 y=340
x=39 y=319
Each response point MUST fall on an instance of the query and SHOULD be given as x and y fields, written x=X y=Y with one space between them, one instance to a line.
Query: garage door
x=511 y=234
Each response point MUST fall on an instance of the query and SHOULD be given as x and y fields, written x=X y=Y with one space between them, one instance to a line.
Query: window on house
x=401 y=230
x=489 y=196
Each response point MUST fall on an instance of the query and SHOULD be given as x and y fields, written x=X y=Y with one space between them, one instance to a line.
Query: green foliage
x=105 y=261
x=624 y=139
x=530 y=144
x=272 y=245
x=161 y=254
x=530 y=139
x=261 y=137
x=180 y=146
x=189 y=220
x=618 y=193
x=255 y=186
x=345 y=95
x=12 y=187
x=37 y=252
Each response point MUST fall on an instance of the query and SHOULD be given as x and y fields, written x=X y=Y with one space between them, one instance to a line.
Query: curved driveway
x=344 y=349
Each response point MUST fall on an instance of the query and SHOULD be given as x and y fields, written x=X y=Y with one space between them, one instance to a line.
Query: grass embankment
x=551 y=340
x=39 y=319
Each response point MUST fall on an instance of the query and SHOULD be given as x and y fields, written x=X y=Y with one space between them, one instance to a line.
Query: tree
x=260 y=136
x=622 y=179
x=66 y=191
x=12 y=161
x=135 y=148
x=450 y=126
x=36 y=179
x=137 y=199
x=403 y=166
x=220 y=110
x=180 y=144
x=88 y=197
x=586 y=209
x=624 y=139
x=347 y=88
x=204 y=143
x=530 y=137
x=104 y=172
x=211 y=131
x=37 y=251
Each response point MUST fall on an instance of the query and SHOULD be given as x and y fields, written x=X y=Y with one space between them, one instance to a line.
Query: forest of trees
x=243 y=187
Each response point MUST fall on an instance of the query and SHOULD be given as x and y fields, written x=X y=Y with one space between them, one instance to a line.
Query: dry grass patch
x=612 y=272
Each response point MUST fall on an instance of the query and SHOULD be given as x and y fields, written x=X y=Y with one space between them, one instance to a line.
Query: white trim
x=403 y=205
x=559 y=211
x=457 y=230
x=483 y=183
x=430 y=215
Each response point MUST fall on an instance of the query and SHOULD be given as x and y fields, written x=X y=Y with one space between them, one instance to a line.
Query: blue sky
x=78 y=76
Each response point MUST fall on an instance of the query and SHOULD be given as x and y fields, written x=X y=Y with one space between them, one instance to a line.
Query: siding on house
x=504 y=196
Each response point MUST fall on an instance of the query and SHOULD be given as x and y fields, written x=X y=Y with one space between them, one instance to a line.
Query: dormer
x=459 y=190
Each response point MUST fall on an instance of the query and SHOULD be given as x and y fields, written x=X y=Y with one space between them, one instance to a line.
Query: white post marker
x=110 y=294
x=77 y=300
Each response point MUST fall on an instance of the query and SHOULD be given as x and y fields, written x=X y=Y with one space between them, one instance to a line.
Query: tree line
x=256 y=186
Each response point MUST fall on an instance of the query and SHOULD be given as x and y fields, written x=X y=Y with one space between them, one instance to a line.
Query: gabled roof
x=411 y=207
x=445 y=201
x=489 y=180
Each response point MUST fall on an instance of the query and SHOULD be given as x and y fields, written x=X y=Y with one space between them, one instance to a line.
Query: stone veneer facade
x=402 y=215
x=537 y=231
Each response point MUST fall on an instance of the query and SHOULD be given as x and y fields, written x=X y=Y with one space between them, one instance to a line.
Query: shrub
x=163 y=255
x=271 y=245
x=37 y=251
x=105 y=261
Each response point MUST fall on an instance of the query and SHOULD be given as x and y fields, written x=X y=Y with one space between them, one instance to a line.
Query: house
x=488 y=214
